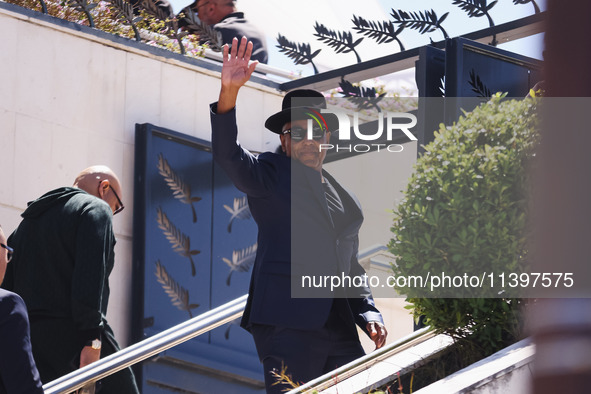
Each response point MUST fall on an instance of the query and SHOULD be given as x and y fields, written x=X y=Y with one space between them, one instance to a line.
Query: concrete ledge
x=506 y=371
x=387 y=369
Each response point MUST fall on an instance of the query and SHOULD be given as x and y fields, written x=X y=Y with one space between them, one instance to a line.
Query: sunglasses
x=299 y=133
x=120 y=207
x=196 y=9
x=10 y=252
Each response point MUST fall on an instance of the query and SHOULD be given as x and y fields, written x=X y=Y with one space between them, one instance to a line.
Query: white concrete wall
x=69 y=100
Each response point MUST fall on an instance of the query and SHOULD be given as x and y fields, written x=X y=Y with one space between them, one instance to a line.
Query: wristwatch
x=95 y=344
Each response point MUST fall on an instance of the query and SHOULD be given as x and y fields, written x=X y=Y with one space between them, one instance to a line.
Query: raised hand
x=235 y=72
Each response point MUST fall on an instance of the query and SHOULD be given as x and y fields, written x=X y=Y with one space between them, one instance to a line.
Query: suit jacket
x=296 y=236
x=18 y=373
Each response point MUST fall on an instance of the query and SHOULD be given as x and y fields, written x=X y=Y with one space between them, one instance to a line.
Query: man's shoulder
x=229 y=19
x=274 y=158
x=51 y=201
x=84 y=202
x=11 y=303
x=85 y=197
x=269 y=156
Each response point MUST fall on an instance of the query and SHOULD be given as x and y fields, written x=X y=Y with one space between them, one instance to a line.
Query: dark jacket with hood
x=61 y=265
x=63 y=256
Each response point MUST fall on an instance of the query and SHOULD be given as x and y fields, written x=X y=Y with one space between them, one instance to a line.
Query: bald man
x=64 y=253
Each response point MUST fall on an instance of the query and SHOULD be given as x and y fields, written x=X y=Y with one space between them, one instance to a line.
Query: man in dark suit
x=18 y=373
x=307 y=226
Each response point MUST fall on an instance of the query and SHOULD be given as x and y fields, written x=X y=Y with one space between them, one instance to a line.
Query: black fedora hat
x=296 y=105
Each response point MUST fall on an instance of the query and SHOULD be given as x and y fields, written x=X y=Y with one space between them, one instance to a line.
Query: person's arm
x=368 y=317
x=249 y=174
x=94 y=258
x=17 y=367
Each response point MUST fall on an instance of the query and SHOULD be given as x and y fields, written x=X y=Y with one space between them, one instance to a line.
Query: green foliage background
x=465 y=211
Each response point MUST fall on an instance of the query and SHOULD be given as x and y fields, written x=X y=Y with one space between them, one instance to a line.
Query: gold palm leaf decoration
x=239 y=211
x=180 y=189
x=179 y=296
x=180 y=242
x=242 y=260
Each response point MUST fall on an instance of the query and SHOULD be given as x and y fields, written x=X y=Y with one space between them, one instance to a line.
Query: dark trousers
x=56 y=350
x=305 y=355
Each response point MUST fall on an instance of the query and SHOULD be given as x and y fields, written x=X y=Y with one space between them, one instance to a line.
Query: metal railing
x=200 y=325
x=363 y=363
x=148 y=347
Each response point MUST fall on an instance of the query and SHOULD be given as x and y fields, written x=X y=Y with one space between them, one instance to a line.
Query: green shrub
x=465 y=211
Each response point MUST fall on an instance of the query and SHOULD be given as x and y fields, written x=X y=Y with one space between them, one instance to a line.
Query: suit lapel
x=351 y=205
x=310 y=179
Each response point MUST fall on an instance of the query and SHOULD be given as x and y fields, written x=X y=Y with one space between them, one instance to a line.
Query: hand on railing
x=377 y=332
x=88 y=355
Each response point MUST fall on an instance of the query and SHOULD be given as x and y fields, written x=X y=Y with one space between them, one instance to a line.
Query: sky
x=296 y=19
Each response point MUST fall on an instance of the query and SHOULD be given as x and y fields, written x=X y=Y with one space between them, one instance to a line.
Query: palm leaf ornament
x=382 y=32
x=241 y=261
x=240 y=210
x=362 y=97
x=478 y=85
x=300 y=53
x=477 y=9
x=340 y=42
x=179 y=296
x=171 y=30
x=181 y=243
x=533 y=2
x=125 y=10
x=424 y=21
x=180 y=189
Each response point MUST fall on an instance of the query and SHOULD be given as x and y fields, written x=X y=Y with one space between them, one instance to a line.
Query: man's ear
x=282 y=138
x=103 y=186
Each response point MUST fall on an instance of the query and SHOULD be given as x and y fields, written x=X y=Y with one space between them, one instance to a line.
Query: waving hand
x=235 y=72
